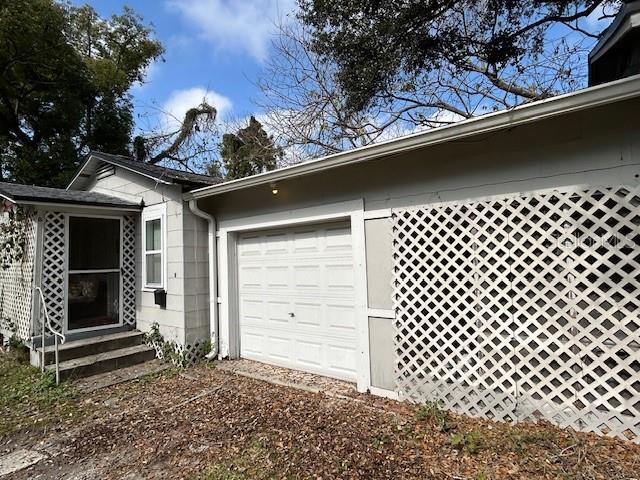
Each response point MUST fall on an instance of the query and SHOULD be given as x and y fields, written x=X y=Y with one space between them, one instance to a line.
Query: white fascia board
x=524 y=114
x=65 y=205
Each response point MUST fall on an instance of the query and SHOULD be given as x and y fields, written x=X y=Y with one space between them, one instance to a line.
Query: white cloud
x=149 y=75
x=239 y=26
x=180 y=101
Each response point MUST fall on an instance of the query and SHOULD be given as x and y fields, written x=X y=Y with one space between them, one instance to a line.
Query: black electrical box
x=160 y=297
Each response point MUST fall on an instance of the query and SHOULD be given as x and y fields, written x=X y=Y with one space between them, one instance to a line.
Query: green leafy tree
x=506 y=48
x=64 y=85
x=248 y=152
x=354 y=72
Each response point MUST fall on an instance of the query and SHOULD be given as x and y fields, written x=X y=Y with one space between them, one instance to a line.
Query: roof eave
x=615 y=33
x=524 y=114
x=79 y=204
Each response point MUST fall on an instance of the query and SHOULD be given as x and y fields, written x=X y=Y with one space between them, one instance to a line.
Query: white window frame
x=154 y=212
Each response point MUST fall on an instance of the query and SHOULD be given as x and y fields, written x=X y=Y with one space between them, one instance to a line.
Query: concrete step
x=104 y=362
x=92 y=346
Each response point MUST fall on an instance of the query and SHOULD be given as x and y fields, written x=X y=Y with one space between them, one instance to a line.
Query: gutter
x=587 y=98
x=213 y=277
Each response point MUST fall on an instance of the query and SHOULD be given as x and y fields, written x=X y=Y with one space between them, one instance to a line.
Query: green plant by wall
x=432 y=411
x=13 y=238
x=170 y=351
x=469 y=442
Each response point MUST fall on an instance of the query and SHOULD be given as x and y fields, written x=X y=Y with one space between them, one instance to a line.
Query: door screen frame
x=68 y=272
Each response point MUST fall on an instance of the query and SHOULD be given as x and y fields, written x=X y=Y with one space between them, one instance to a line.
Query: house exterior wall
x=185 y=319
x=600 y=146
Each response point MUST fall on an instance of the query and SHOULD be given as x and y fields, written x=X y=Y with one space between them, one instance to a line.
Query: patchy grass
x=251 y=464
x=31 y=399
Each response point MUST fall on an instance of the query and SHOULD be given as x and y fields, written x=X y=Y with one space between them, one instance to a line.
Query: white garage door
x=297 y=299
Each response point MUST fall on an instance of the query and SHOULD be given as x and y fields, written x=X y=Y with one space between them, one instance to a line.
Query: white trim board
x=381 y=313
x=383 y=392
x=375 y=214
x=229 y=230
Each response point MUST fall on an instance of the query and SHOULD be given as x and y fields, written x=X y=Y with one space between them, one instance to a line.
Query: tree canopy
x=64 y=87
x=248 y=152
x=355 y=72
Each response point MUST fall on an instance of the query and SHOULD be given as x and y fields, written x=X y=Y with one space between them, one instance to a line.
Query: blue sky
x=213 y=47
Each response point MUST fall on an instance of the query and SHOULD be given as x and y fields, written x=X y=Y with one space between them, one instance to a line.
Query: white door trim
x=229 y=230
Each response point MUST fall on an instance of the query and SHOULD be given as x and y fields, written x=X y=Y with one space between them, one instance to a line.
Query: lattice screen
x=523 y=307
x=129 y=270
x=53 y=261
x=16 y=285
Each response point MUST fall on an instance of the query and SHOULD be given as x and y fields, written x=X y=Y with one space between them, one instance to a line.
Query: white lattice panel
x=53 y=261
x=16 y=284
x=523 y=307
x=129 y=271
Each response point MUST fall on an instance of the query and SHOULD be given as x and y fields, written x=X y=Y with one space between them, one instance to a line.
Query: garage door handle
x=291 y=314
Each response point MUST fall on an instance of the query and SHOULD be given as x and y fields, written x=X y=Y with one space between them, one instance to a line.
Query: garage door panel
x=342 y=359
x=277 y=276
x=252 y=310
x=339 y=277
x=251 y=247
x=297 y=299
x=309 y=353
x=341 y=320
x=278 y=314
x=307 y=276
x=338 y=240
x=253 y=344
x=308 y=315
x=279 y=347
x=306 y=242
x=251 y=276
x=275 y=244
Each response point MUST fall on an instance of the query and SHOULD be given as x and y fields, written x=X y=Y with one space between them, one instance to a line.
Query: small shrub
x=381 y=441
x=469 y=442
x=206 y=347
x=519 y=439
x=220 y=472
x=17 y=349
x=432 y=411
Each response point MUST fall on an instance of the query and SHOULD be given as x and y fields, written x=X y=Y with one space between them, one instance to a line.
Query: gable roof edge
x=92 y=155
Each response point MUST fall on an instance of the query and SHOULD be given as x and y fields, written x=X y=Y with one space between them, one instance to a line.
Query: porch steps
x=90 y=356
x=92 y=345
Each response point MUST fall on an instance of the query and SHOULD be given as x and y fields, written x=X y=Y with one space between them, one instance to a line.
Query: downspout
x=213 y=276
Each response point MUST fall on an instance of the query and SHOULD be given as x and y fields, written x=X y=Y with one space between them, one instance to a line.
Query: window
x=153 y=241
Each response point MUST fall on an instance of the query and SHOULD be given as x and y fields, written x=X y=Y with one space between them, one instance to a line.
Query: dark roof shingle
x=158 y=172
x=30 y=193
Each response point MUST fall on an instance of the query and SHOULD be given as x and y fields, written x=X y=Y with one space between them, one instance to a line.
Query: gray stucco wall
x=186 y=316
x=379 y=243
x=381 y=352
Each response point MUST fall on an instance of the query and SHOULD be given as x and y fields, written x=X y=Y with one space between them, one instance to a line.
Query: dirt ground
x=207 y=423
